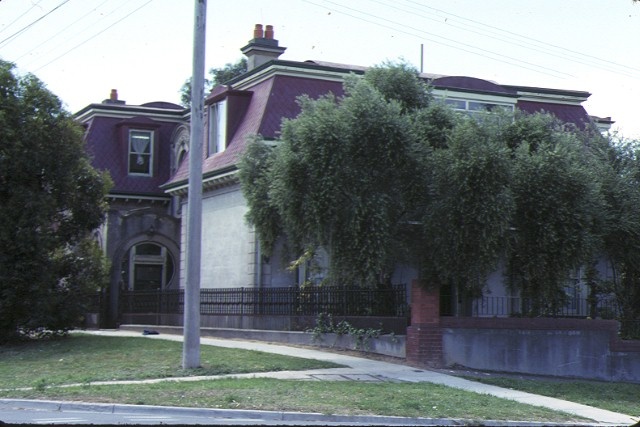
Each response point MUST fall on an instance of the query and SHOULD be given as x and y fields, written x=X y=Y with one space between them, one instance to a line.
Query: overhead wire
x=529 y=43
x=511 y=33
x=77 y=36
x=63 y=30
x=33 y=5
x=94 y=36
x=22 y=30
x=399 y=27
x=526 y=43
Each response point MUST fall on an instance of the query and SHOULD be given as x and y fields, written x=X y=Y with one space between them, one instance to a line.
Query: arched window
x=147 y=267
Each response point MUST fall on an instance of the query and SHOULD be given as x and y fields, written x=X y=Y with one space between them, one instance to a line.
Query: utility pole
x=191 y=345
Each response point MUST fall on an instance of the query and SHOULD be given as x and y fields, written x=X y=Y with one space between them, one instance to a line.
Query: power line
x=66 y=28
x=532 y=44
x=496 y=36
x=18 y=18
x=466 y=47
x=17 y=33
x=93 y=37
x=525 y=37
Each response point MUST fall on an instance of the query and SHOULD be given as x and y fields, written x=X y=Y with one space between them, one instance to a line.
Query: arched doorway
x=147 y=266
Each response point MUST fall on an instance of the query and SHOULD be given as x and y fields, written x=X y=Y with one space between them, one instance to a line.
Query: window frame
x=131 y=152
x=217 y=127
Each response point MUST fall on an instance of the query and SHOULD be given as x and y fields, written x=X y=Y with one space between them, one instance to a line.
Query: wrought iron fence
x=569 y=307
x=280 y=301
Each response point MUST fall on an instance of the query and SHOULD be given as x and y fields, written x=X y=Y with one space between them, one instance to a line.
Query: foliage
x=558 y=210
x=469 y=215
x=342 y=179
x=386 y=175
x=620 y=172
x=253 y=173
x=51 y=200
x=400 y=82
x=326 y=325
x=218 y=76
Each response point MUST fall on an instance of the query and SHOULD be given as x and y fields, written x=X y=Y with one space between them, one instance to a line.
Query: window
x=464 y=105
x=141 y=152
x=217 y=127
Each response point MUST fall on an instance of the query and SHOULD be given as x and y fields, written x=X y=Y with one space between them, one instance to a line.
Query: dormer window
x=217 y=127
x=472 y=106
x=140 y=152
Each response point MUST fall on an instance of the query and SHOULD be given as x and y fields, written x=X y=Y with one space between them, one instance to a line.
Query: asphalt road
x=70 y=413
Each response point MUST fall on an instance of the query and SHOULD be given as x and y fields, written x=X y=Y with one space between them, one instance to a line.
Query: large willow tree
x=386 y=174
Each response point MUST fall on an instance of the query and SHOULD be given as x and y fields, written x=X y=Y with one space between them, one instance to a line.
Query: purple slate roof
x=107 y=144
x=575 y=114
x=271 y=101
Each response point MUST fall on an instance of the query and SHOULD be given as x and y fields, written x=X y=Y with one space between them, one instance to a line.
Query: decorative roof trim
x=556 y=96
x=210 y=181
x=290 y=68
x=138 y=197
x=127 y=111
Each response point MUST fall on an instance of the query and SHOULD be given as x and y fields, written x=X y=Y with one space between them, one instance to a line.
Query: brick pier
x=424 y=336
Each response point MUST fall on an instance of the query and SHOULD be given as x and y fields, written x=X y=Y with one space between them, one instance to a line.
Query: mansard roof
x=106 y=126
x=272 y=89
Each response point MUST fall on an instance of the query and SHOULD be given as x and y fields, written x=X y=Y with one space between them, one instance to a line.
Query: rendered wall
x=558 y=347
x=228 y=243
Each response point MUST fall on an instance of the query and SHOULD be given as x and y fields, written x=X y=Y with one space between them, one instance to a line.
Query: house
x=140 y=147
x=145 y=149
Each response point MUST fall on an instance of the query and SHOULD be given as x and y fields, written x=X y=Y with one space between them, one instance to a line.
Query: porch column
x=424 y=336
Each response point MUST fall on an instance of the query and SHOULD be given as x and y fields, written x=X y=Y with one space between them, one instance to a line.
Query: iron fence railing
x=488 y=306
x=279 y=301
x=569 y=307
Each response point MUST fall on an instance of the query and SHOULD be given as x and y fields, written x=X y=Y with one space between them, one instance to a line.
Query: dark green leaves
x=51 y=199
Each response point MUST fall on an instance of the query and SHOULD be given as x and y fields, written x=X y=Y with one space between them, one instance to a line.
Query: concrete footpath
x=362 y=369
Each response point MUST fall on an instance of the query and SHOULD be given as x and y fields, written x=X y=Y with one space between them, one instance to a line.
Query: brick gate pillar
x=424 y=336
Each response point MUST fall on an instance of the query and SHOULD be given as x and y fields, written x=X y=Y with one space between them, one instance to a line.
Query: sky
x=81 y=49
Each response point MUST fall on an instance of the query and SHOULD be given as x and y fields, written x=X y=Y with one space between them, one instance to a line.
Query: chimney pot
x=257 y=32
x=114 y=95
x=268 y=34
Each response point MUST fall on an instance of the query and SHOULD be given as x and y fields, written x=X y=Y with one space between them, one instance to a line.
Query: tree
x=559 y=210
x=469 y=216
x=218 y=76
x=386 y=175
x=52 y=199
x=345 y=176
x=620 y=169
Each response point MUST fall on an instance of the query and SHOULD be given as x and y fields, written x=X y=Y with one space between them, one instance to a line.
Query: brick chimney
x=113 y=98
x=262 y=48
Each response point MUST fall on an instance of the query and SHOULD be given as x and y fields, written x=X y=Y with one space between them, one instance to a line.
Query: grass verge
x=328 y=397
x=617 y=397
x=82 y=358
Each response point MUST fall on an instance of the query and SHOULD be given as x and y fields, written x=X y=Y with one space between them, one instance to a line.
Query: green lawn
x=82 y=359
x=328 y=397
x=616 y=397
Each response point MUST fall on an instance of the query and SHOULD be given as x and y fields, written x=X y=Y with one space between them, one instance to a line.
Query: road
x=69 y=413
